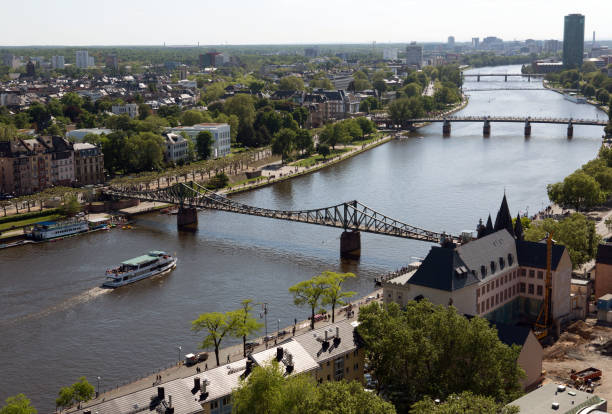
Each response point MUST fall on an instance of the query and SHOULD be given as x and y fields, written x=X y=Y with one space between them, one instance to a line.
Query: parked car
x=251 y=345
x=318 y=317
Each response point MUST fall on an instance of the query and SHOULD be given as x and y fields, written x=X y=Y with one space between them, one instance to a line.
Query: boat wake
x=66 y=304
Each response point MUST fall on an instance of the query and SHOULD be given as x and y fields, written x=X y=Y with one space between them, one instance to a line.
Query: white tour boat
x=138 y=268
x=573 y=97
x=52 y=229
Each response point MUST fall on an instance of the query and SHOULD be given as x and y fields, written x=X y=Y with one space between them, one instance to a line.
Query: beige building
x=88 y=164
x=532 y=353
x=25 y=165
x=330 y=353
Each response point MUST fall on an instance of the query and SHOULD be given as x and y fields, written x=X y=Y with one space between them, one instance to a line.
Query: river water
x=56 y=324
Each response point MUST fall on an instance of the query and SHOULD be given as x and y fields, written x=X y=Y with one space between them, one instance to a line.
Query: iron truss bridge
x=503 y=75
x=502 y=89
x=521 y=119
x=351 y=215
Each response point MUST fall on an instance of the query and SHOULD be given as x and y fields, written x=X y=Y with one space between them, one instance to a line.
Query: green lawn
x=314 y=159
x=19 y=223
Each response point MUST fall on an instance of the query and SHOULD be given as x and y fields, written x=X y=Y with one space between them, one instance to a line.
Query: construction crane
x=543 y=321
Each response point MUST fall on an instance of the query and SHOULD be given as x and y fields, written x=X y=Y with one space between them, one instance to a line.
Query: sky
x=241 y=22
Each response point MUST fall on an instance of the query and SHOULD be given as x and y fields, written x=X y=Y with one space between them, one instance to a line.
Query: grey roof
x=540 y=400
x=314 y=341
x=533 y=254
x=302 y=360
x=604 y=253
x=452 y=269
x=512 y=334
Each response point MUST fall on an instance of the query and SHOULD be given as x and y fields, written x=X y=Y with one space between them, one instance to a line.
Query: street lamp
x=179 y=353
x=98 y=391
x=277 y=326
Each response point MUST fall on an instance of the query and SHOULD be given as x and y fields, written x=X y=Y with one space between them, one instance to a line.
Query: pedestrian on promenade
x=294 y=321
x=228 y=358
x=293 y=330
x=206 y=366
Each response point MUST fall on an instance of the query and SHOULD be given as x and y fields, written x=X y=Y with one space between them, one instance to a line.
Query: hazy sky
x=153 y=22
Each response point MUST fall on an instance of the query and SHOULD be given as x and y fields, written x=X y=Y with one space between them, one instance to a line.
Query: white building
x=390 y=53
x=57 y=62
x=79 y=134
x=82 y=59
x=127 y=109
x=176 y=148
x=220 y=132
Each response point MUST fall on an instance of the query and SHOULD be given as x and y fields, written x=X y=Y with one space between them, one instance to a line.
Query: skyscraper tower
x=573 y=41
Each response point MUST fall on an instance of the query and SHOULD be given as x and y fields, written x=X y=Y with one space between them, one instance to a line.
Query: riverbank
x=228 y=354
x=562 y=92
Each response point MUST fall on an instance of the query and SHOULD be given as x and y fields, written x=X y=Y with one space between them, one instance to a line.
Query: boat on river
x=573 y=97
x=142 y=267
x=47 y=230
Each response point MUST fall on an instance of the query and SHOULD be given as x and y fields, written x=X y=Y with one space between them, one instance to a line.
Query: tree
x=464 y=403
x=18 y=404
x=216 y=325
x=268 y=391
x=245 y=324
x=291 y=83
x=578 y=190
x=367 y=126
x=323 y=150
x=575 y=232
x=454 y=353
x=361 y=85
x=220 y=180
x=411 y=89
x=303 y=140
x=192 y=117
x=80 y=391
x=204 y=142
x=71 y=206
x=334 y=134
x=283 y=143
x=309 y=292
x=333 y=294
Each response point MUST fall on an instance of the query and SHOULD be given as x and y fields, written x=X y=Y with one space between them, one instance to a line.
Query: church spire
x=504 y=219
x=518 y=228
x=480 y=229
x=489 y=227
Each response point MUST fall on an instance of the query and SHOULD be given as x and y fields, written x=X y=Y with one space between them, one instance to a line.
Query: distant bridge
x=504 y=75
x=486 y=120
x=353 y=217
x=503 y=89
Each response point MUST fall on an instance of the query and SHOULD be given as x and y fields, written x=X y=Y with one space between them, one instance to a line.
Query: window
x=513 y=290
x=540 y=291
x=540 y=274
x=502 y=263
x=531 y=273
x=214 y=405
x=523 y=272
x=327 y=363
x=355 y=352
x=510 y=259
x=328 y=377
x=338 y=368
x=226 y=400
x=530 y=289
x=487 y=303
x=506 y=278
x=522 y=288
x=347 y=356
x=497 y=283
x=488 y=287
x=477 y=307
x=497 y=298
x=492 y=267
x=483 y=271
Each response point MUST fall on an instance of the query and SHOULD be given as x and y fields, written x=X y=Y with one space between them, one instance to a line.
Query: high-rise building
x=112 y=62
x=390 y=53
x=451 y=41
x=475 y=42
x=414 y=55
x=57 y=62
x=573 y=41
x=82 y=59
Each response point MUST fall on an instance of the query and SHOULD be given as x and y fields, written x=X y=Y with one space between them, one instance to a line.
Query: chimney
x=196 y=383
x=338 y=332
x=160 y=393
x=203 y=386
x=169 y=401
x=249 y=368
x=279 y=353
x=325 y=335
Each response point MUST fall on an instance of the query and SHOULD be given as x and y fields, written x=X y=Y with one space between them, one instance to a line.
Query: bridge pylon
x=446 y=128
x=570 y=129
x=187 y=218
x=527 y=128
x=486 y=129
x=350 y=244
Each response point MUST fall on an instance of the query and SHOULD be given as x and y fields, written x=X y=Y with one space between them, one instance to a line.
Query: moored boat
x=53 y=229
x=138 y=268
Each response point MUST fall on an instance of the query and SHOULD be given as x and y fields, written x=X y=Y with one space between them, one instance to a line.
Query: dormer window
x=502 y=263
x=492 y=267
x=483 y=271
x=510 y=259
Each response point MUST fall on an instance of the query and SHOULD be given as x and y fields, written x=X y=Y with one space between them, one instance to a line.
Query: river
x=58 y=325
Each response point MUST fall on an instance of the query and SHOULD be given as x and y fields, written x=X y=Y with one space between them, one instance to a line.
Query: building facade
x=88 y=164
x=82 y=59
x=57 y=62
x=220 y=132
x=176 y=148
x=573 y=41
x=414 y=55
x=128 y=109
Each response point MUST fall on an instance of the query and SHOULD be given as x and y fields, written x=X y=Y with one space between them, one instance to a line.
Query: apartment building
x=88 y=164
x=220 y=132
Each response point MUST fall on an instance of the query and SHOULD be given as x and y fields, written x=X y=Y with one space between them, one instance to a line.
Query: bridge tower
x=350 y=241
x=527 y=128
x=570 y=129
x=506 y=78
x=446 y=128
x=529 y=78
x=486 y=129
x=478 y=78
x=187 y=217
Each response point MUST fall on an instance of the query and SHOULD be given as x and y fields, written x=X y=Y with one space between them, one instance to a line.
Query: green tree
x=268 y=391
x=367 y=126
x=216 y=325
x=291 y=83
x=578 y=190
x=71 y=206
x=464 y=403
x=220 y=180
x=454 y=353
x=333 y=294
x=361 y=85
x=79 y=392
x=412 y=89
x=65 y=398
x=309 y=293
x=334 y=134
x=245 y=324
x=283 y=143
x=204 y=143
x=323 y=150
x=192 y=117
x=18 y=404
x=303 y=140
x=575 y=232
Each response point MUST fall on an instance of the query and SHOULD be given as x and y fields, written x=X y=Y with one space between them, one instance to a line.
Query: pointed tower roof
x=489 y=228
x=518 y=228
x=504 y=219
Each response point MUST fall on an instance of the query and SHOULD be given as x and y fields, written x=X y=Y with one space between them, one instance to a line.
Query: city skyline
x=72 y=23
